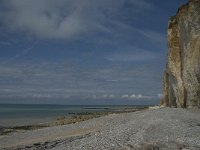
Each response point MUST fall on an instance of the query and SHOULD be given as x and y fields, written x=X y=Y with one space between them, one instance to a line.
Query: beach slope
x=165 y=128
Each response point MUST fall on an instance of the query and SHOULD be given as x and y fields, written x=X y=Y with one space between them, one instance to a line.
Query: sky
x=83 y=51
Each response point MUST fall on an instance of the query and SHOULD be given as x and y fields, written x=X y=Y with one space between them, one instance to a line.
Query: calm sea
x=21 y=114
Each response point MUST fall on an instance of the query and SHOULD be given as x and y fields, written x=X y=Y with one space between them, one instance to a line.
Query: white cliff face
x=181 y=81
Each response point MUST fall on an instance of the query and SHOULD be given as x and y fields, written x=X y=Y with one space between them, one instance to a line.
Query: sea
x=25 y=114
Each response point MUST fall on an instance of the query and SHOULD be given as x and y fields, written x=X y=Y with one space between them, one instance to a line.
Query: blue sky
x=57 y=51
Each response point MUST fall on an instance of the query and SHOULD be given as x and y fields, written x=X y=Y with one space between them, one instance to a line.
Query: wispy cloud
x=59 y=80
x=66 y=19
x=24 y=52
x=105 y=37
x=132 y=54
x=119 y=31
x=148 y=33
x=153 y=35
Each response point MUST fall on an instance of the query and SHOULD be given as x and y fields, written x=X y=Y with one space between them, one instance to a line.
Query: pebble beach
x=152 y=129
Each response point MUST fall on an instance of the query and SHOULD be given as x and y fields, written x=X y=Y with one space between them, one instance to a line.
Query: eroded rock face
x=181 y=81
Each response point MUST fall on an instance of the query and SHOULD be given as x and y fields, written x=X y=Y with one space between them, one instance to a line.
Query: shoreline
x=65 y=120
x=153 y=128
x=164 y=128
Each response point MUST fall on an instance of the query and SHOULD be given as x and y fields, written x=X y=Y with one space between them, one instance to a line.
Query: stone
x=181 y=80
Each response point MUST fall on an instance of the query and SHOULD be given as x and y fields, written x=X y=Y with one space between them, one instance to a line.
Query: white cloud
x=125 y=96
x=42 y=96
x=133 y=96
x=111 y=80
x=62 y=18
x=139 y=96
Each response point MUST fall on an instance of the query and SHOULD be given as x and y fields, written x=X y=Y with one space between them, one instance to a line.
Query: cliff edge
x=181 y=80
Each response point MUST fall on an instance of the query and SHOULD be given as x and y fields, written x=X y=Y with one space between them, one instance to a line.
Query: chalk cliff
x=181 y=80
